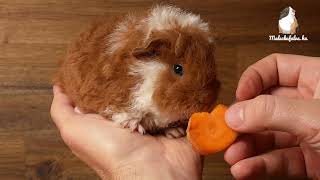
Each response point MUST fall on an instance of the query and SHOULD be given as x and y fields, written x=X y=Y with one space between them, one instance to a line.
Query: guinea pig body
x=144 y=72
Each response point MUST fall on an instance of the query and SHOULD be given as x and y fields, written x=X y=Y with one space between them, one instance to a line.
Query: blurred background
x=34 y=35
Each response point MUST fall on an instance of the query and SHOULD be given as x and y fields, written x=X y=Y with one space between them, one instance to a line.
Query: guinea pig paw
x=141 y=129
x=133 y=125
x=175 y=132
x=124 y=124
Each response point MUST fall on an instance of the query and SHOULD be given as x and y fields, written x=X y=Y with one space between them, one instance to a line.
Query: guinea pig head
x=187 y=82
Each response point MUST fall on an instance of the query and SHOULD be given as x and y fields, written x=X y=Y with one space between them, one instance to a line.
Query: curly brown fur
x=123 y=69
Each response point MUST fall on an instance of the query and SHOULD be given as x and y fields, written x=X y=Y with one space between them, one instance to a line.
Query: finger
x=266 y=112
x=317 y=92
x=275 y=69
x=290 y=92
x=312 y=159
x=252 y=144
x=280 y=163
x=61 y=108
x=239 y=150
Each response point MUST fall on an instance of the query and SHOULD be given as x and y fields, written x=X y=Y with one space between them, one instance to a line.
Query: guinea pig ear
x=181 y=44
x=152 y=48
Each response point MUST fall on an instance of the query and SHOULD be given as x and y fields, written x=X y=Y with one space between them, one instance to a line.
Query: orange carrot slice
x=208 y=132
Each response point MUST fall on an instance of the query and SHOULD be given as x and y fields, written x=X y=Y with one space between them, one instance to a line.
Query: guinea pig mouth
x=180 y=123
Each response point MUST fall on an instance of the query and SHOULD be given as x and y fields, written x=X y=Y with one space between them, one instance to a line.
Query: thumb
x=61 y=108
x=266 y=112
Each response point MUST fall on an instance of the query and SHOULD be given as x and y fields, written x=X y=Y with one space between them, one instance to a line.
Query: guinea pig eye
x=178 y=69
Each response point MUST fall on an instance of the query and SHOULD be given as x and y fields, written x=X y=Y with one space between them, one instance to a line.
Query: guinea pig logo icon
x=288 y=27
x=288 y=23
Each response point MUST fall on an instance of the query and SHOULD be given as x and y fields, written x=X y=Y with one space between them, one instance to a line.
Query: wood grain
x=34 y=35
x=12 y=155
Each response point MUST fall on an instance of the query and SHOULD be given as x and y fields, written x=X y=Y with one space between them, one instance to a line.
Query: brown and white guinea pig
x=145 y=72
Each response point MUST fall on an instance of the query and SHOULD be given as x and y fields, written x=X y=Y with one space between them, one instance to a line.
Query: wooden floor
x=34 y=35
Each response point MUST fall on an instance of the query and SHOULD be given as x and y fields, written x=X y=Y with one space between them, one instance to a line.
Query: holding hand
x=283 y=127
x=116 y=153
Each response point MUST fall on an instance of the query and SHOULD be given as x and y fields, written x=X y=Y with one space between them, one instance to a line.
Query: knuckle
x=263 y=107
x=267 y=103
x=275 y=54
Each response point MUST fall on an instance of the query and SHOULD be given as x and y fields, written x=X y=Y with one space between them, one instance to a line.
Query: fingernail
x=234 y=116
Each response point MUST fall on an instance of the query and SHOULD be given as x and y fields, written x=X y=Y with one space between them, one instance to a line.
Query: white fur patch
x=143 y=92
x=168 y=17
x=120 y=117
x=160 y=18
x=116 y=39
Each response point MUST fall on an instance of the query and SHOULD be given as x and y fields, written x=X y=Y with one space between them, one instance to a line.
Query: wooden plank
x=249 y=21
x=11 y=155
x=48 y=158
x=3 y=37
x=25 y=109
x=29 y=65
x=215 y=168
x=64 y=8
x=238 y=23
x=228 y=19
x=261 y=50
x=226 y=67
x=27 y=51
x=30 y=31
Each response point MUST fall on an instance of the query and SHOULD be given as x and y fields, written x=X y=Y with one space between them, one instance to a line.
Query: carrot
x=208 y=132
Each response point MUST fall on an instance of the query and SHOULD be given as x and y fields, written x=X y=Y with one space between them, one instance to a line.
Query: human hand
x=116 y=153
x=283 y=127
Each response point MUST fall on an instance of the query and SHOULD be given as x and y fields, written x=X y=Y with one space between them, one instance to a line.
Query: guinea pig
x=288 y=23
x=146 y=72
